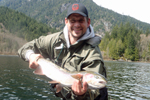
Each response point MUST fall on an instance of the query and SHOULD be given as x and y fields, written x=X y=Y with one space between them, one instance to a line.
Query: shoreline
x=9 y=55
x=127 y=61
x=15 y=55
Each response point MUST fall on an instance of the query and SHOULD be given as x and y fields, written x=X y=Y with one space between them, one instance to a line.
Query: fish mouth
x=99 y=85
x=102 y=82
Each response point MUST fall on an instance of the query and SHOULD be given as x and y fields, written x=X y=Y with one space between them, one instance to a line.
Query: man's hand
x=33 y=60
x=78 y=88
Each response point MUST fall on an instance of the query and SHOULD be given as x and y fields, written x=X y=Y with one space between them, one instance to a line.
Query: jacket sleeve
x=28 y=46
x=42 y=46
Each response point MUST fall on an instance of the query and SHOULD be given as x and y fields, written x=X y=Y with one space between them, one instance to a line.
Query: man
x=74 y=49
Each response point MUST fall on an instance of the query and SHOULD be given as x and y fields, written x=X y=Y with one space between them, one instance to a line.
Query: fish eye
x=97 y=77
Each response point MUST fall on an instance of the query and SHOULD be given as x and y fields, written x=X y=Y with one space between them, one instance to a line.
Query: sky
x=138 y=9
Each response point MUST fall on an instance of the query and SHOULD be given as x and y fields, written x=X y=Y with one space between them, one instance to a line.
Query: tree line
x=125 y=42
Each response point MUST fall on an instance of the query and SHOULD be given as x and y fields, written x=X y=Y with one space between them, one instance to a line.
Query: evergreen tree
x=105 y=41
x=112 y=49
x=136 y=54
x=120 y=48
x=114 y=32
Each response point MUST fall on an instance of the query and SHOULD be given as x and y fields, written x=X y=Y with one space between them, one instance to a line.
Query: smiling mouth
x=77 y=30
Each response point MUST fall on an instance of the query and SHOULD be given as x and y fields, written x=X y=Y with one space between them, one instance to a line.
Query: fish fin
x=77 y=76
x=58 y=88
x=53 y=82
x=38 y=71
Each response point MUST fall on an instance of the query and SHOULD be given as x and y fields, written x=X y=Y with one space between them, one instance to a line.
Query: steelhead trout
x=66 y=78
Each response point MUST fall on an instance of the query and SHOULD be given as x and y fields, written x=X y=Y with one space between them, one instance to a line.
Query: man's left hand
x=78 y=88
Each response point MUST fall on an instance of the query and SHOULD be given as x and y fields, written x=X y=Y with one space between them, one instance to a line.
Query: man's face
x=77 y=25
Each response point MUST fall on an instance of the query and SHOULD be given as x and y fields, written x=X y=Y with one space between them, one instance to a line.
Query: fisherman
x=74 y=49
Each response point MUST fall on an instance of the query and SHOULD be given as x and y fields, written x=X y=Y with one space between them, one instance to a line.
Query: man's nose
x=77 y=24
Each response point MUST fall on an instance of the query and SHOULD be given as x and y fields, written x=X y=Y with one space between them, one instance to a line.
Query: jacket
x=84 y=55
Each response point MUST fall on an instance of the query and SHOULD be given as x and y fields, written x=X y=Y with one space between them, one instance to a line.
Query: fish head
x=95 y=80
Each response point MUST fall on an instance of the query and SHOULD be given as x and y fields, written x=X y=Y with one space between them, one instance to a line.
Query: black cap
x=77 y=8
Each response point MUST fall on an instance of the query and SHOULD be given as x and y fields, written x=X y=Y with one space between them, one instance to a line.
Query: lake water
x=126 y=81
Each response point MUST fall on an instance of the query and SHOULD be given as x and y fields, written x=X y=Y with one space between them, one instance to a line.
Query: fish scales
x=66 y=78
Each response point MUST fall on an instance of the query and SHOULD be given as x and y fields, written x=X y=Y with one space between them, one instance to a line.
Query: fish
x=66 y=78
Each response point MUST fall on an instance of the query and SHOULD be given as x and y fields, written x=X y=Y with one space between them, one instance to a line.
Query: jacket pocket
x=59 y=52
x=74 y=63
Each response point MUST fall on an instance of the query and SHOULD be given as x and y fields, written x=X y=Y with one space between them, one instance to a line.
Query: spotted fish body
x=66 y=78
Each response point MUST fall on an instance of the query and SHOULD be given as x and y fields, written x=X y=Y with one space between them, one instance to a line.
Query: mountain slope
x=16 y=29
x=9 y=43
x=52 y=12
x=21 y=25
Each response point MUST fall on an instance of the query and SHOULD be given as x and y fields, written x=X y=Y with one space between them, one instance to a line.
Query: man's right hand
x=33 y=60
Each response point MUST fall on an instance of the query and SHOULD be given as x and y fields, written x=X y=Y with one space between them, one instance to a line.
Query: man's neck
x=72 y=39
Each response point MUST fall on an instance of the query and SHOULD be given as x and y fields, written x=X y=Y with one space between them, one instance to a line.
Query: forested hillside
x=9 y=43
x=21 y=25
x=52 y=12
x=126 y=42
x=123 y=37
x=16 y=29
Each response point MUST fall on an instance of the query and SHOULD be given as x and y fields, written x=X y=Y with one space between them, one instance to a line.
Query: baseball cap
x=77 y=8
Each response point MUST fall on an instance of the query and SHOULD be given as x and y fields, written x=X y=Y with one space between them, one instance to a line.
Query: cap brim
x=77 y=13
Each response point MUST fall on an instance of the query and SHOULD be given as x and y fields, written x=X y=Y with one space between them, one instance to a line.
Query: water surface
x=126 y=81
x=17 y=81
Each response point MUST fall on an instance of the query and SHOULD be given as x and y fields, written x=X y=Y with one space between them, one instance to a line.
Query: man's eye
x=81 y=21
x=72 y=21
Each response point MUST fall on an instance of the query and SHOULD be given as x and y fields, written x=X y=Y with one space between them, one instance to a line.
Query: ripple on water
x=5 y=88
x=23 y=88
x=13 y=98
x=44 y=97
x=128 y=81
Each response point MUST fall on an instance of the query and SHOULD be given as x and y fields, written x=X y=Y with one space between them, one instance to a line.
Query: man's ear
x=66 y=20
x=89 y=22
